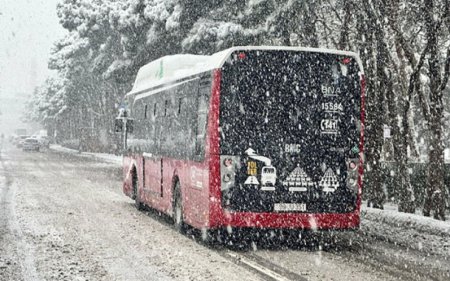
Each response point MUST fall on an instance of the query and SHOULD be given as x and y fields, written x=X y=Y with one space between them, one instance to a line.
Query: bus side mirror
x=118 y=125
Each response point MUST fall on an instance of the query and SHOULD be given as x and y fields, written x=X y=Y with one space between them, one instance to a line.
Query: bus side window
x=158 y=118
x=202 y=115
x=145 y=111
x=181 y=102
x=189 y=119
x=138 y=132
x=166 y=107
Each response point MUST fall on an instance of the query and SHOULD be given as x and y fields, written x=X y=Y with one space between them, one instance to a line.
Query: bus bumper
x=324 y=221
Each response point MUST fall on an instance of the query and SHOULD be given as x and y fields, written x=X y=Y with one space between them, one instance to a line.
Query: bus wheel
x=178 y=209
x=137 y=201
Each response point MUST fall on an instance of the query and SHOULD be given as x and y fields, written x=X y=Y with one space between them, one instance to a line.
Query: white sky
x=28 y=29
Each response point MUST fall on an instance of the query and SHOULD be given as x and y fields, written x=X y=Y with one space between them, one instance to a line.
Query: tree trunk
x=402 y=138
x=310 y=24
x=344 y=36
x=406 y=193
x=374 y=130
x=434 y=196
x=434 y=200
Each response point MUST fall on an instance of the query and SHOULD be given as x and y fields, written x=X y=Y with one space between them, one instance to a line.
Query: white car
x=44 y=141
x=30 y=144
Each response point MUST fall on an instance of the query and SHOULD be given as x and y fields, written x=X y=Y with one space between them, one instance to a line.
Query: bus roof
x=175 y=67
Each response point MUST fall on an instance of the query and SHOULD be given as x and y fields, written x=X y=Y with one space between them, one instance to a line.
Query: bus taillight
x=228 y=162
x=352 y=173
x=242 y=56
x=228 y=170
x=346 y=60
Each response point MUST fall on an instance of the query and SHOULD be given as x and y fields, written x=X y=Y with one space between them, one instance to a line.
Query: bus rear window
x=274 y=99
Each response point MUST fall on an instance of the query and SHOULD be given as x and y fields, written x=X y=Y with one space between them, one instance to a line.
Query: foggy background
x=29 y=29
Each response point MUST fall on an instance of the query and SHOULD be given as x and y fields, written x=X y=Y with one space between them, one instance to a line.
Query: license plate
x=290 y=207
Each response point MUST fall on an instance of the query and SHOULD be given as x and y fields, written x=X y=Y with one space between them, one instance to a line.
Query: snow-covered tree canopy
x=404 y=45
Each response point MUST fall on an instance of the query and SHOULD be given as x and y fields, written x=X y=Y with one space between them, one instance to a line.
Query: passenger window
x=202 y=115
x=166 y=107
x=180 y=102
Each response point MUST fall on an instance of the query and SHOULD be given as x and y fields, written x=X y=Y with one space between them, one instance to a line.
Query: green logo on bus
x=160 y=72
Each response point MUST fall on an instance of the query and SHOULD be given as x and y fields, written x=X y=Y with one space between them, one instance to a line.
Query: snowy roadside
x=393 y=218
x=412 y=231
x=109 y=158
x=408 y=230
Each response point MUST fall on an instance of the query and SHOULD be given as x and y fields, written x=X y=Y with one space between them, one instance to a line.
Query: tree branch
x=335 y=11
x=409 y=53
x=343 y=41
x=446 y=71
x=414 y=83
x=331 y=31
x=446 y=18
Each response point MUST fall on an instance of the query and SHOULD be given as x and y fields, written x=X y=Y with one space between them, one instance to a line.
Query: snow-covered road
x=64 y=217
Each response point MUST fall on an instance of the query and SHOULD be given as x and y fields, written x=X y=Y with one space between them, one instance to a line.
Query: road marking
x=264 y=270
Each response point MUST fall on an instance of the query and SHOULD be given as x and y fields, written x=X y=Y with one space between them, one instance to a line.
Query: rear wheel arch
x=134 y=182
x=177 y=206
x=176 y=188
x=175 y=182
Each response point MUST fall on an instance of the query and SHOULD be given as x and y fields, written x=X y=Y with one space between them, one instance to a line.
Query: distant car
x=31 y=144
x=44 y=141
x=20 y=140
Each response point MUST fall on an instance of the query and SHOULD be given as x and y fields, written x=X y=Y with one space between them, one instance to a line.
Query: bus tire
x=178 y=221
x=137 y=201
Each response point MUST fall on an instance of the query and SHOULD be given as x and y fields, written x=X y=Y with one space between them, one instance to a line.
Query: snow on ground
x=75 y=224
x=410 y=230
x=109 y=158
x=417 y=222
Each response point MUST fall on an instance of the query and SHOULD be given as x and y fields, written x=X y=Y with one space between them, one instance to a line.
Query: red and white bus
x=250 y=137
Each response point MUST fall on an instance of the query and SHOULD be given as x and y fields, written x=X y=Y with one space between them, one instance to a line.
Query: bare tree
x=435 y=189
